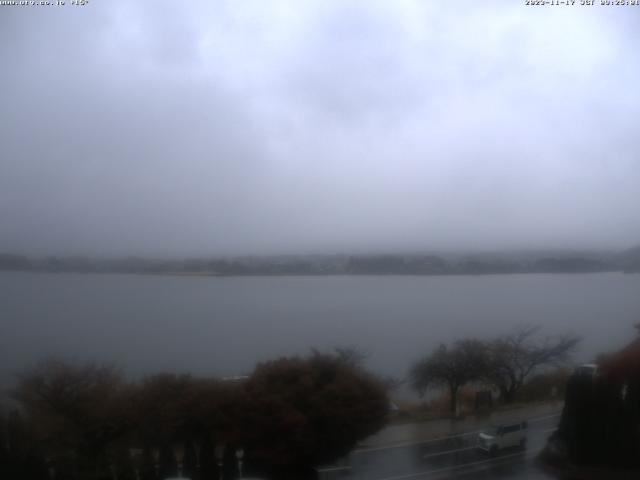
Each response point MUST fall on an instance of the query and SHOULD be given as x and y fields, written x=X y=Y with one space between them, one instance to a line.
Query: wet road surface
x=455 y=456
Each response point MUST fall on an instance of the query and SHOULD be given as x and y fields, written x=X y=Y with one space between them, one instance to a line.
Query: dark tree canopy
x=76 y=410
x=80 y=406
x=171 y=407
x=600 y=422
x=182 y=413
x=310 y=411
x=293 y=412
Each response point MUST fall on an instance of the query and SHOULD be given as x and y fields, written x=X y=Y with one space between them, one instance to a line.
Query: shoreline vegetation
x=566 y=261
x=87 y=421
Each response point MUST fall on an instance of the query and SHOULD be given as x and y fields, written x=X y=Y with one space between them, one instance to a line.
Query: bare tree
x=74 y=408
x=452 y=367
x=515 y=356
x=351 y=355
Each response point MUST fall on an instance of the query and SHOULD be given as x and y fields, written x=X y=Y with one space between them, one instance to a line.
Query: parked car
x=494 y=439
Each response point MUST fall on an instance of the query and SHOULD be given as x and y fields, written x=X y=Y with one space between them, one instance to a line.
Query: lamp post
x=156 y=461
x=73 y=456
x=197 y=447
x=178 y=450
x=135 y=454
x=51 y=469
x=7 y=441
x=219 y=454
x=239 y=455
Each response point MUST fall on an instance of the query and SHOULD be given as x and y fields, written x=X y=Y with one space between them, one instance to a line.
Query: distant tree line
x=78 y=422
x=476 y=264
x=503 y=364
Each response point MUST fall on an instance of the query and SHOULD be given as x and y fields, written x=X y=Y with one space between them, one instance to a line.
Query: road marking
x=431 y=455
x=449 y=437
x=473 y=471
x=456 y=467
x=539 y=419
x=411 y=444
x=333 y=469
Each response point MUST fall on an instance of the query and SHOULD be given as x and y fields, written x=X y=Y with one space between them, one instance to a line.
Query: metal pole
x=219 y=453
x=239 y=455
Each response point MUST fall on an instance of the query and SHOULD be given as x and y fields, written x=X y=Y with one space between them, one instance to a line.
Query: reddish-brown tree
x=308 y=411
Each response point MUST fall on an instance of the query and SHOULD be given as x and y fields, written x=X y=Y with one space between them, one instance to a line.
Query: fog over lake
x=223 y=326
x=224 y=129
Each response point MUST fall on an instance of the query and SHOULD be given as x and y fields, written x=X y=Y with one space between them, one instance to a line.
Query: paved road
x=454 y=456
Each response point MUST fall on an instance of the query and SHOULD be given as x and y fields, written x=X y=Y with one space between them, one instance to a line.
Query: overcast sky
x=224 y=127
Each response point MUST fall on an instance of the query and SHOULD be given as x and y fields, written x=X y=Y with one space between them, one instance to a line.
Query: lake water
x=223 y=326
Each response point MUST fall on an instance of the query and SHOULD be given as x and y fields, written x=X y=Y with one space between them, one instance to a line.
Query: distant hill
x=629 y=260
x=568 y=261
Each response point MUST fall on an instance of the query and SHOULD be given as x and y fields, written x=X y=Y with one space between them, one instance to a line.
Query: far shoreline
x=328 y=274
x=399 y=264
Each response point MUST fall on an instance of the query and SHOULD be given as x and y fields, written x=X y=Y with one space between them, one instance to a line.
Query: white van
x=494 y=439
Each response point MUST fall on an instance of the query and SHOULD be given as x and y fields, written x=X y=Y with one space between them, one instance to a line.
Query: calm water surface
x=224 y=326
